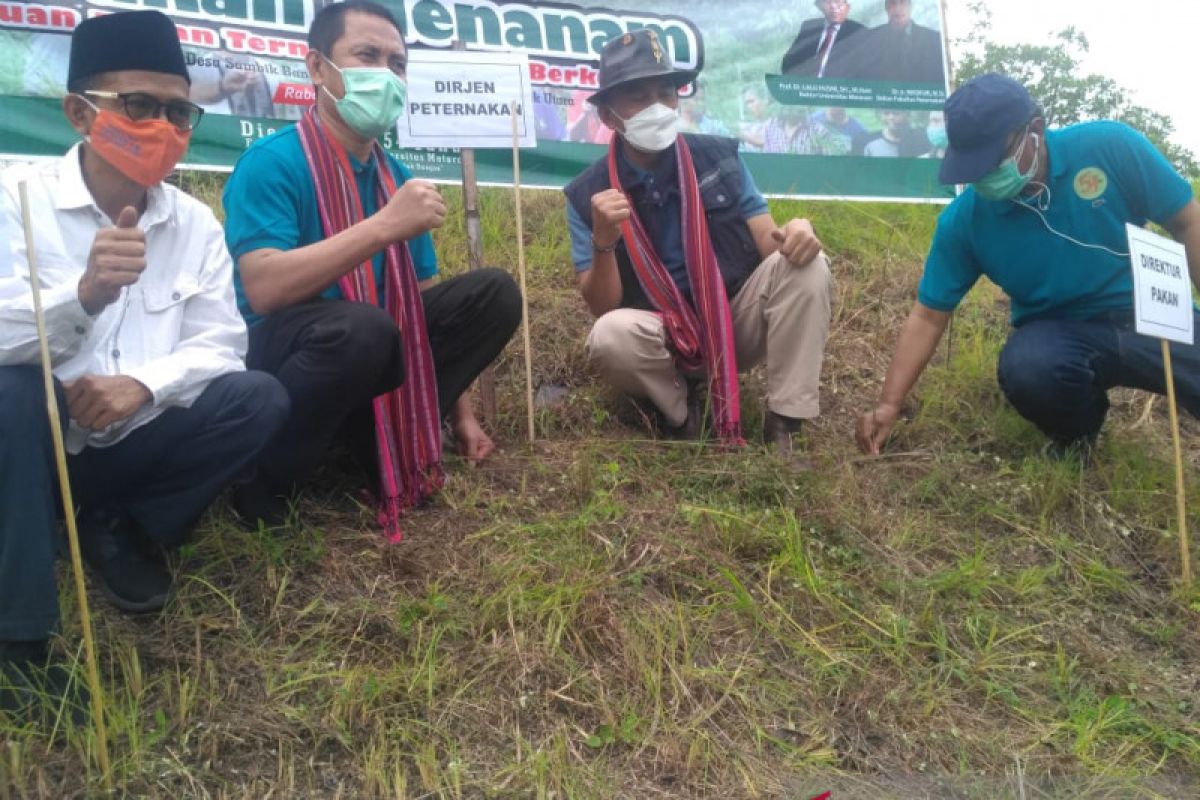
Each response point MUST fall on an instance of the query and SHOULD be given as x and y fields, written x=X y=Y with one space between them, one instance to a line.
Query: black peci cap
x=141 y=40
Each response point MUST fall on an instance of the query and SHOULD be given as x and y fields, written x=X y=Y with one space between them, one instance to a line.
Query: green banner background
x=740 y=44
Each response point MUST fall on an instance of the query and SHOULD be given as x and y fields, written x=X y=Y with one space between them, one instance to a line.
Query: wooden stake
x=487 y=378
x=1180 y=501
x=68 y=504
x=470 y=187
x=946 y=47
x=521 y=269
x=950 y=83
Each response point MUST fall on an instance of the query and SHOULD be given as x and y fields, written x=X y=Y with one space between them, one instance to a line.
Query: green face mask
x=1007 y=181
x=937 y=136
x=375 y=98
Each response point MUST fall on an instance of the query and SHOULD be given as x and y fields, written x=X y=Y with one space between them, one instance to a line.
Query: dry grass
x=602 y=615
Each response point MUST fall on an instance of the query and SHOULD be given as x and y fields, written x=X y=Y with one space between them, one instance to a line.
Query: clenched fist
x=117 y=259
x=97 y=401
x=610 y=208
x=797 y=241
x=415 y=208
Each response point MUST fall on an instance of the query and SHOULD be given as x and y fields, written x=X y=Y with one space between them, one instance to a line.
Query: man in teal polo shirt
x=1044 y=219
x=335 y=272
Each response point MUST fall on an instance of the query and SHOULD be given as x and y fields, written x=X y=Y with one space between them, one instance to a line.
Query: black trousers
x=335 y=356
x=163 y=475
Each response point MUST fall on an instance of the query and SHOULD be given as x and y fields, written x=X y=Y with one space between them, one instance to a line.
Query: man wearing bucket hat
x=146 y=344
x=678 y=258
x=1044 y=218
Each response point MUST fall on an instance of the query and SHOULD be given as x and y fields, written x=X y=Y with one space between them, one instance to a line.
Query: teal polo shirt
x=1102 y=175
x=270 y=202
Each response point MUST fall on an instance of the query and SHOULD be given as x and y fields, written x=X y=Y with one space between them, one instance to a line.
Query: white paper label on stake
x=463 y=98
x=1162 y=288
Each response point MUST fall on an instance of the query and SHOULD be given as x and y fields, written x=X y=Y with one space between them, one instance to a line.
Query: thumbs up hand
x=797 y=242
x=117 y=259
x=128 y=218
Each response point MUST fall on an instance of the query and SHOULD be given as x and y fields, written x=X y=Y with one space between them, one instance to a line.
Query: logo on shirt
x=1090 y=183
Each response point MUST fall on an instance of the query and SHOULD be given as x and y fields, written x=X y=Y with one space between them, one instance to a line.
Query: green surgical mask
x=937 y=136
x=1007 y=181
x=375 y=98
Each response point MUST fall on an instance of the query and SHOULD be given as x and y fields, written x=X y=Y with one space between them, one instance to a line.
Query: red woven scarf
x=407 y=430
x=700 y=337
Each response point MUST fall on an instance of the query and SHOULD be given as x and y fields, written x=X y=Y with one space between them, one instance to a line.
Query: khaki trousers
x=781 y=315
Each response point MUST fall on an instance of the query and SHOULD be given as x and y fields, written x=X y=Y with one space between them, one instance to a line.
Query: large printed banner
x=828 y=98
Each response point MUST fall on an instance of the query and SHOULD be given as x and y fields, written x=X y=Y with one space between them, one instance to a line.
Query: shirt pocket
x=721 y=194
x=162 y=307
x=721 y=190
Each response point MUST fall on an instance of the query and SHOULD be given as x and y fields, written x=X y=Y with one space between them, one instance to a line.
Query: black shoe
x=33 y=689
x=1081 y=450
x=693 y=424
x=132 y=570
x=258 y=505
x=777 y=434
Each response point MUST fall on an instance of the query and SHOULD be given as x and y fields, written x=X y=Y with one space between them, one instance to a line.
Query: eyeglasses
x=139 y=106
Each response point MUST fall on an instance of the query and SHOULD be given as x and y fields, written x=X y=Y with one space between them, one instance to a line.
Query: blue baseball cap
x=979 y=118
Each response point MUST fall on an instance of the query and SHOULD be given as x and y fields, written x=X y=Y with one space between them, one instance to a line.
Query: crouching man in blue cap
x=146 y=344
x=1044 y=218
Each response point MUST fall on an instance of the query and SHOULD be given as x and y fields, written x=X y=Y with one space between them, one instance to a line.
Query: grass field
x=601 y=615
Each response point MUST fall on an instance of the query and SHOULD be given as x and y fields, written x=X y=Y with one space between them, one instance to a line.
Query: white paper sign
x=461 y=98
x=1162 y=288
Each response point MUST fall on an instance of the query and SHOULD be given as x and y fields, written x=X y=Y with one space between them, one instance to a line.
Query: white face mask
x=653 y=129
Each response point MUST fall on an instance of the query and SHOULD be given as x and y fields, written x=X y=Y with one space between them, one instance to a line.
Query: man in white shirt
x=146 y=342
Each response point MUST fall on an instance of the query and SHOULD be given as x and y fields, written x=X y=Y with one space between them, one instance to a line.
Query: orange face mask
x=145 y=151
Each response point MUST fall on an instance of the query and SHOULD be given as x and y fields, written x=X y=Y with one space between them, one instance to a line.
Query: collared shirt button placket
x=127 y=337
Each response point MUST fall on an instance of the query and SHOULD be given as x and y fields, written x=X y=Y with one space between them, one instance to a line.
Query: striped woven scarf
x=407 y=430
x=699 y=338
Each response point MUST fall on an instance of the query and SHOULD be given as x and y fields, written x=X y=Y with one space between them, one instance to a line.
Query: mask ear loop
x=324 y=88
x=87 y=137
x=93 y=106
x=329 y=61
x=1042 y=198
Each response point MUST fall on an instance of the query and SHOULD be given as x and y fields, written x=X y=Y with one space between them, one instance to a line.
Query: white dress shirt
x=174 y=331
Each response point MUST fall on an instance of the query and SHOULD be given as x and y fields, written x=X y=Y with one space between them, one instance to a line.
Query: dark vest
x=719 y=173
